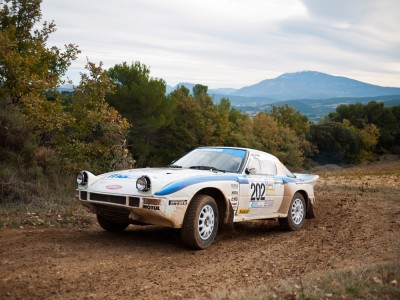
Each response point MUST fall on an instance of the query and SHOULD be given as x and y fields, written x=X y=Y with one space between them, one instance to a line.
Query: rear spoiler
x=307 y=178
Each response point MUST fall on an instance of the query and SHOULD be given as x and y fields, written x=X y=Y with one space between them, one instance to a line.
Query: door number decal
x=258 y=192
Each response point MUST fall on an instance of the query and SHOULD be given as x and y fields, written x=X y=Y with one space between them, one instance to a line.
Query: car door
x=263 y=194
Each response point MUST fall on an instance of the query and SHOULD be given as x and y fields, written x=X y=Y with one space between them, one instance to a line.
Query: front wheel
x=109 y=225
x=296 y=214
x=201 y=222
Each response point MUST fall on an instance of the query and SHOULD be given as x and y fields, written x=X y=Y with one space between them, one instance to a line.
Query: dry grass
x=380 y=281
x=48 y=202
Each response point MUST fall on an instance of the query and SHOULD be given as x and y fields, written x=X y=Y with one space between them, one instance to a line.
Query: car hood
x=124 y=182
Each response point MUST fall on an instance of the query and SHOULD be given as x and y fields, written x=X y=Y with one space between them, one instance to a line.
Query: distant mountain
x=66 y=88
x=313 y=85
x=169 y=89
x=187 y=85
x=295 y=86
x=312 y=93
x=222 y=91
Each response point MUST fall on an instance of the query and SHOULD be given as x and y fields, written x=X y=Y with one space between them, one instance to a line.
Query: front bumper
x=136 y=209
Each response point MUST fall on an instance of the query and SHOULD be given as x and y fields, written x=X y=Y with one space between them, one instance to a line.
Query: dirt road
x=358 y=222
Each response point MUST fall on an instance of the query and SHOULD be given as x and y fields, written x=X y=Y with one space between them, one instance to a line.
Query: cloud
x=233 y=43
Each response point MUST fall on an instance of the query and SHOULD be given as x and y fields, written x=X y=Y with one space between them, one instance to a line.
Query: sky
x=233 y=43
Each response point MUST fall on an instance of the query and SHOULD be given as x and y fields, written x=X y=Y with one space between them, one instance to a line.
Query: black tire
x=111 y=226
x=200 y=225
x=296 y=214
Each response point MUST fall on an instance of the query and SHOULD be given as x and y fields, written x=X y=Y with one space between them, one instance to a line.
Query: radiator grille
x=83 y=195
x=134 y=201
x=108 y=198
x=116 y=213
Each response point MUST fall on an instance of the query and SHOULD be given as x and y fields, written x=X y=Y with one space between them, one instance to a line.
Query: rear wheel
x=109 y=225
x=201 y=222
x=296 y=214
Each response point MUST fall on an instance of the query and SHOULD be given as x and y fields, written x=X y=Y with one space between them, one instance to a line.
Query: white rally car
x=206 y=188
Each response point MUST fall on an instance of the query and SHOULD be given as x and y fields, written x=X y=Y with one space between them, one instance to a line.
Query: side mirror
x=251 y=171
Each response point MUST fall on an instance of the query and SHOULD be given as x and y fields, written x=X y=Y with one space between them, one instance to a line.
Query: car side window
x=254 y=166
x=268 y=167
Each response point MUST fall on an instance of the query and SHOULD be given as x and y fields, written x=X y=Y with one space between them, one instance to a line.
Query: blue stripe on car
x=179 y=185
x=289 y=179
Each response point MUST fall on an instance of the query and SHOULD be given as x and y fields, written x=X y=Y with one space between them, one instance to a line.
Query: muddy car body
x=206 y=188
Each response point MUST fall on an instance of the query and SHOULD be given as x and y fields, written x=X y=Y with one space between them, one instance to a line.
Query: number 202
x=258 y=191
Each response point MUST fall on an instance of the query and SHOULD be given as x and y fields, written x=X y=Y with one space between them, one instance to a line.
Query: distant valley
x=314 y=94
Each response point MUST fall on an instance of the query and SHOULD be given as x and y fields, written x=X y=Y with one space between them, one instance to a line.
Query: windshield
x=218 y=159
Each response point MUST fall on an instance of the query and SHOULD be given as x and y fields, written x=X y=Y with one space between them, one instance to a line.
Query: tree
x=27 y=66
x=199 y=90
x=354 y=113
x=280 y=141
x=197 y=122
x=29 y=69
x=336 y=143
x=95 y=136
x=142 y=101
x=361 y=116
x=29 y=121
x=287 y=116
x=385 y=119
x=181 y=134
x=240 y=129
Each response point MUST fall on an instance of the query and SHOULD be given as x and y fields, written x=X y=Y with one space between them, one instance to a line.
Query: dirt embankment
x=358 y=223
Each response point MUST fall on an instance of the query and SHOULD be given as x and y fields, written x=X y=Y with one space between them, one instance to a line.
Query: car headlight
x=82 y=178
x=143 y=184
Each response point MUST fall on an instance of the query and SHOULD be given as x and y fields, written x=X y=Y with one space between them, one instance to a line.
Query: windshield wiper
x=206 y=168
x=175 y=166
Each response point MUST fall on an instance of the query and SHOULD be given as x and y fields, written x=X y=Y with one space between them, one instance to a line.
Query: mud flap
x=310 y=210
x=226 y=224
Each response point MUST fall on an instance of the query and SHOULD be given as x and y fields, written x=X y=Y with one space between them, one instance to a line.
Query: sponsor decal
x=269 y=191
x=177 y=202
x=235 y=192
x=259 y=190
x=123 y=176
x=234 y=185
x=151 y=201
x=257 y=204
x=243 y=211
x=114 y=187
x=151 y=207
x=269 y=203
x=234 y=202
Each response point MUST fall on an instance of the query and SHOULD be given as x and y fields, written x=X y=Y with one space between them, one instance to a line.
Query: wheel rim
x=206 y=222
x=297 y=211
